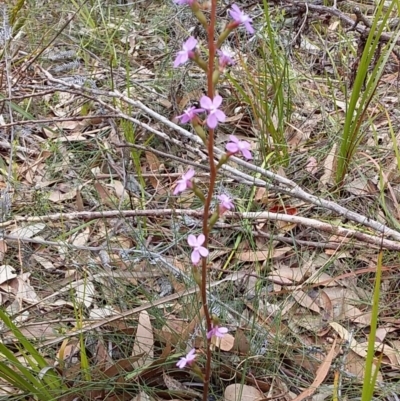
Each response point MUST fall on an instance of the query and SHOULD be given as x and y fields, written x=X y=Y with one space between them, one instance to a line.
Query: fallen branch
x=263 y=216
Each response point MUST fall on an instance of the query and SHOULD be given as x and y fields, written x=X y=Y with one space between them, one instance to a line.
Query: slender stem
x=213 y=174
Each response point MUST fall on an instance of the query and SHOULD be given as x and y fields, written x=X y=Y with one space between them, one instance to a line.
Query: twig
x=28 y=151
x=326 y=227
x=59 y=120
x=385 y=37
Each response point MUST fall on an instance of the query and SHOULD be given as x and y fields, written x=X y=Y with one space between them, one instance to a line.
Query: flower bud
x=221 y=39
x=200 y=62
x=197 y=276
x=224 y=158
x=198 y=193
x=215 y=320
x=214 y=218
x=200 y=16
x=199 y=131
x=197 y=371
x=215 y=77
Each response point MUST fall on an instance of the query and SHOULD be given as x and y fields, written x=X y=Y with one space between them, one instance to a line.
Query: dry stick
x=385 y=37
x=263 y=216
x=31 y=152
x=281 y=184
x=61 y=119
x=274 y=237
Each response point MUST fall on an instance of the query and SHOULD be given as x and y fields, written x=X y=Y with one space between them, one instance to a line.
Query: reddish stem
x=213 y=175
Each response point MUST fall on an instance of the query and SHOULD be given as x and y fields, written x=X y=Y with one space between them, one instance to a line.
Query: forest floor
x=96 y=268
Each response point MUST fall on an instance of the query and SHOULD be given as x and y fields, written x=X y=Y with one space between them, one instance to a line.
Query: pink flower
x=225 y=58
x=240 y=18
x=183 y=2
x=187 y=360
x=217 y=331
x=186 y=53
x=189 y=114
x=185 y=182
x=236 y=146
x=214 y=114
x=225 y=203
x=198 y=250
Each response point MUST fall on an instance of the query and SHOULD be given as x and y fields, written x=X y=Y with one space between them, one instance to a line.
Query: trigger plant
x=205 y=121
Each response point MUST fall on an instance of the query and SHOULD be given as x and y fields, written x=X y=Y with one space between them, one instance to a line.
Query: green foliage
x=267 y=91
x=364 y=87
x=371 y=368
x=33 y=376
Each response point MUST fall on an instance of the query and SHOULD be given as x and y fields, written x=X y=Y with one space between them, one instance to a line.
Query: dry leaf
x=3 y=249
x=104 y=194
x=57 y=196
x=81 y=238
x=172 y=330
x=312 y=165
x=322 y=372
x=25 y=291
x=242 y=392
x=296 y=275
x=68 y=348
x=7 y=272
x=154 y=167
x=258 y=256
x=142 y=396
x=172 y=384
x=225 y=343
x=84 y=293
x=120 y=190
x=144 y=341
x=44 y=262
x=306 y=301
x=28 y=231
x=347 y=336
x=80 y=207
x=101 y=313
x=242 y=344
x=329 y=166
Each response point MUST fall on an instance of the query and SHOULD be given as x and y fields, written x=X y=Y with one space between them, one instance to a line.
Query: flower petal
x=206 y=103
x=233 y=138
x=217 y=101
x=191 y=354
x=248 y=27
x=212 y=121
x=181 y=58
x=200 y=239
x=246 y=154
x=181 y=363
x=203 y=251
x=232 y=147
x=220 y=115
x=190 y=44
x=195 y=257
x=235 y=12
x=189 y=174
x=192 y=240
